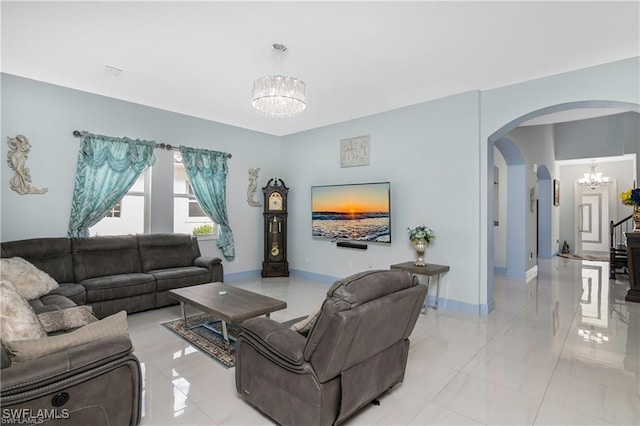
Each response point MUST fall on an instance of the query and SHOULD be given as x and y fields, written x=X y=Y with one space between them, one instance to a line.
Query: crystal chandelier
x=593 y=179
x=278 y=95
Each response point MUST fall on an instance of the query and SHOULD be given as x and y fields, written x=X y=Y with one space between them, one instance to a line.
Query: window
x=194 y=206
x=188 y=216
x=115 y=212
x=127 y=217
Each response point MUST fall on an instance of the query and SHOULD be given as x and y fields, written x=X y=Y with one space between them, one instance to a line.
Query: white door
x=595 y=219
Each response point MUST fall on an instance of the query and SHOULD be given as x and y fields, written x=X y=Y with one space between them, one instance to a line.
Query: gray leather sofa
x=98 y=384
x=356 y=350
x=113 y=273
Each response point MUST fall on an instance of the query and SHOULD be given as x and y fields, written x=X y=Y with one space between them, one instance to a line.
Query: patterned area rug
x=593 y=257
x=206 y=340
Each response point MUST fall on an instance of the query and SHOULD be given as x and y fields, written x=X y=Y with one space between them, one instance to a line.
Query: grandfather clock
x=275 y=229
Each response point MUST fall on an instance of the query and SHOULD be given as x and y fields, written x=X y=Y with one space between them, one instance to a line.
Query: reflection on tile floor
x=562 y=349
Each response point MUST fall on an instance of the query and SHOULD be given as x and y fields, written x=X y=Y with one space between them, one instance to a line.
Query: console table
x=429 y=270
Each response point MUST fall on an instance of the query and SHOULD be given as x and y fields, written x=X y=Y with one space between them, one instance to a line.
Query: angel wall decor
x=253 y=185
x=19 y=148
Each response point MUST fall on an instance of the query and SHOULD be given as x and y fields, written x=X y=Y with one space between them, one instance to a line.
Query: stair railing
x=617 y=230
x=618 y=245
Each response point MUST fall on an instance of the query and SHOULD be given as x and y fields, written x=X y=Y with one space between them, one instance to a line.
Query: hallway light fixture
x=278 y=95
x=593 y=179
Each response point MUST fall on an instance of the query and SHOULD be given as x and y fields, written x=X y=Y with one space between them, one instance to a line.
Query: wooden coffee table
x=228 y=304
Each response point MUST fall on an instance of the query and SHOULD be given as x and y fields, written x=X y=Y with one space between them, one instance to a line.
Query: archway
x=500 y=133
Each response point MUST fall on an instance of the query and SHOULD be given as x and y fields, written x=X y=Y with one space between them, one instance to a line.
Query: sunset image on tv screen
x=352 y=212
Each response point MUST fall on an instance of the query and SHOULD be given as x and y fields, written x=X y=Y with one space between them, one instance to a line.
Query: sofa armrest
x=276 y=341
x=64 y=365
x=213 y=264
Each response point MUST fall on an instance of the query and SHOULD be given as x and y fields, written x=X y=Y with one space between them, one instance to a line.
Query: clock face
x=275 y=201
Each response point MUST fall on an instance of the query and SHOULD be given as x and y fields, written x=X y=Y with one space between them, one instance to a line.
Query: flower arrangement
x=631 y=197
x=421 y=233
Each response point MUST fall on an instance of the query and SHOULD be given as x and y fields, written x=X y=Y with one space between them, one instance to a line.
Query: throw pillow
x=305 y=326
x=27 y=350
x=66 y=319
x=18 y=321
x=30 y=281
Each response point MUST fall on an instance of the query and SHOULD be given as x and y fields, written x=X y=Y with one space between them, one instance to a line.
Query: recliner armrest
x=64 y=364
x=206 y=261
x=275 y=340
x=211 y=263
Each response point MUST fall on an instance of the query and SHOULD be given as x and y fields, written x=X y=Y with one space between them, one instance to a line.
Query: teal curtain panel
x=207 y=173
x=107 y=168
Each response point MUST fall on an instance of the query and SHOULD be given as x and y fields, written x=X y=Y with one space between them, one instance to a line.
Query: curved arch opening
x=544 y=187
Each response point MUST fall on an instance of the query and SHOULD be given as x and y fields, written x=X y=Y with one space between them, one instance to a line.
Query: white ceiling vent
x=112 y=71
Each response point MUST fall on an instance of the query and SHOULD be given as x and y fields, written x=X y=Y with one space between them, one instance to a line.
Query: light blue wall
x=47 y=115
x=608 y=136
x=546 y=248
x=505 y=108
x=429 y=154
x=435 y=154
x=500 y=231
x=536 y=145
x=517 y=211
x=516 y=206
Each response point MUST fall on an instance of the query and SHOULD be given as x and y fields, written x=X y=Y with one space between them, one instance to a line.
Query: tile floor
x=562 y=349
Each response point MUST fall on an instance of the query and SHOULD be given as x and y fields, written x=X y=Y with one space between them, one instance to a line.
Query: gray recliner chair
x=97 y=383
x=356 y=350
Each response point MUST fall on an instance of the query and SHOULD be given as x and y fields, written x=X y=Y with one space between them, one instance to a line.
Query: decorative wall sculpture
x=19 y=148
x=354 y=151
x=253 y=185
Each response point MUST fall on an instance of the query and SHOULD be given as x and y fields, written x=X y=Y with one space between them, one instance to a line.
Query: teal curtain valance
x=107 y=168
x=207 y=173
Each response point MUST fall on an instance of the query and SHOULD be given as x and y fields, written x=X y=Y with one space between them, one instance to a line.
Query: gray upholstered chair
x=356 y=350
x=96 y=383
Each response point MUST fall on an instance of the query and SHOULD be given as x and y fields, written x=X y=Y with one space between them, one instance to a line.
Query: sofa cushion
x=118 y=286
x=66 y=319
x=163 y=251
x=104 y=256
x=17 y=320
x=30 y=281
x=168 y=279
x=51 y=302
x=27 y=350
x=51 y=255
x=75 y=292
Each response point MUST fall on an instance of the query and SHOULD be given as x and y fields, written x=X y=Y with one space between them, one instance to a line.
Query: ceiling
x=357 y=58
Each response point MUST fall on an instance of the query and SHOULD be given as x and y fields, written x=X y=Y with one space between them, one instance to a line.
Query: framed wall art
x=354 y=151
x=556 y=192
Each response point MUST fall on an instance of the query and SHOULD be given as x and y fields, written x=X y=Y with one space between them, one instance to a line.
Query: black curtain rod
x=78 y=133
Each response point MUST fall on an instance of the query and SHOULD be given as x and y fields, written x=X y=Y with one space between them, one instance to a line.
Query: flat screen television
x=356 y=212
